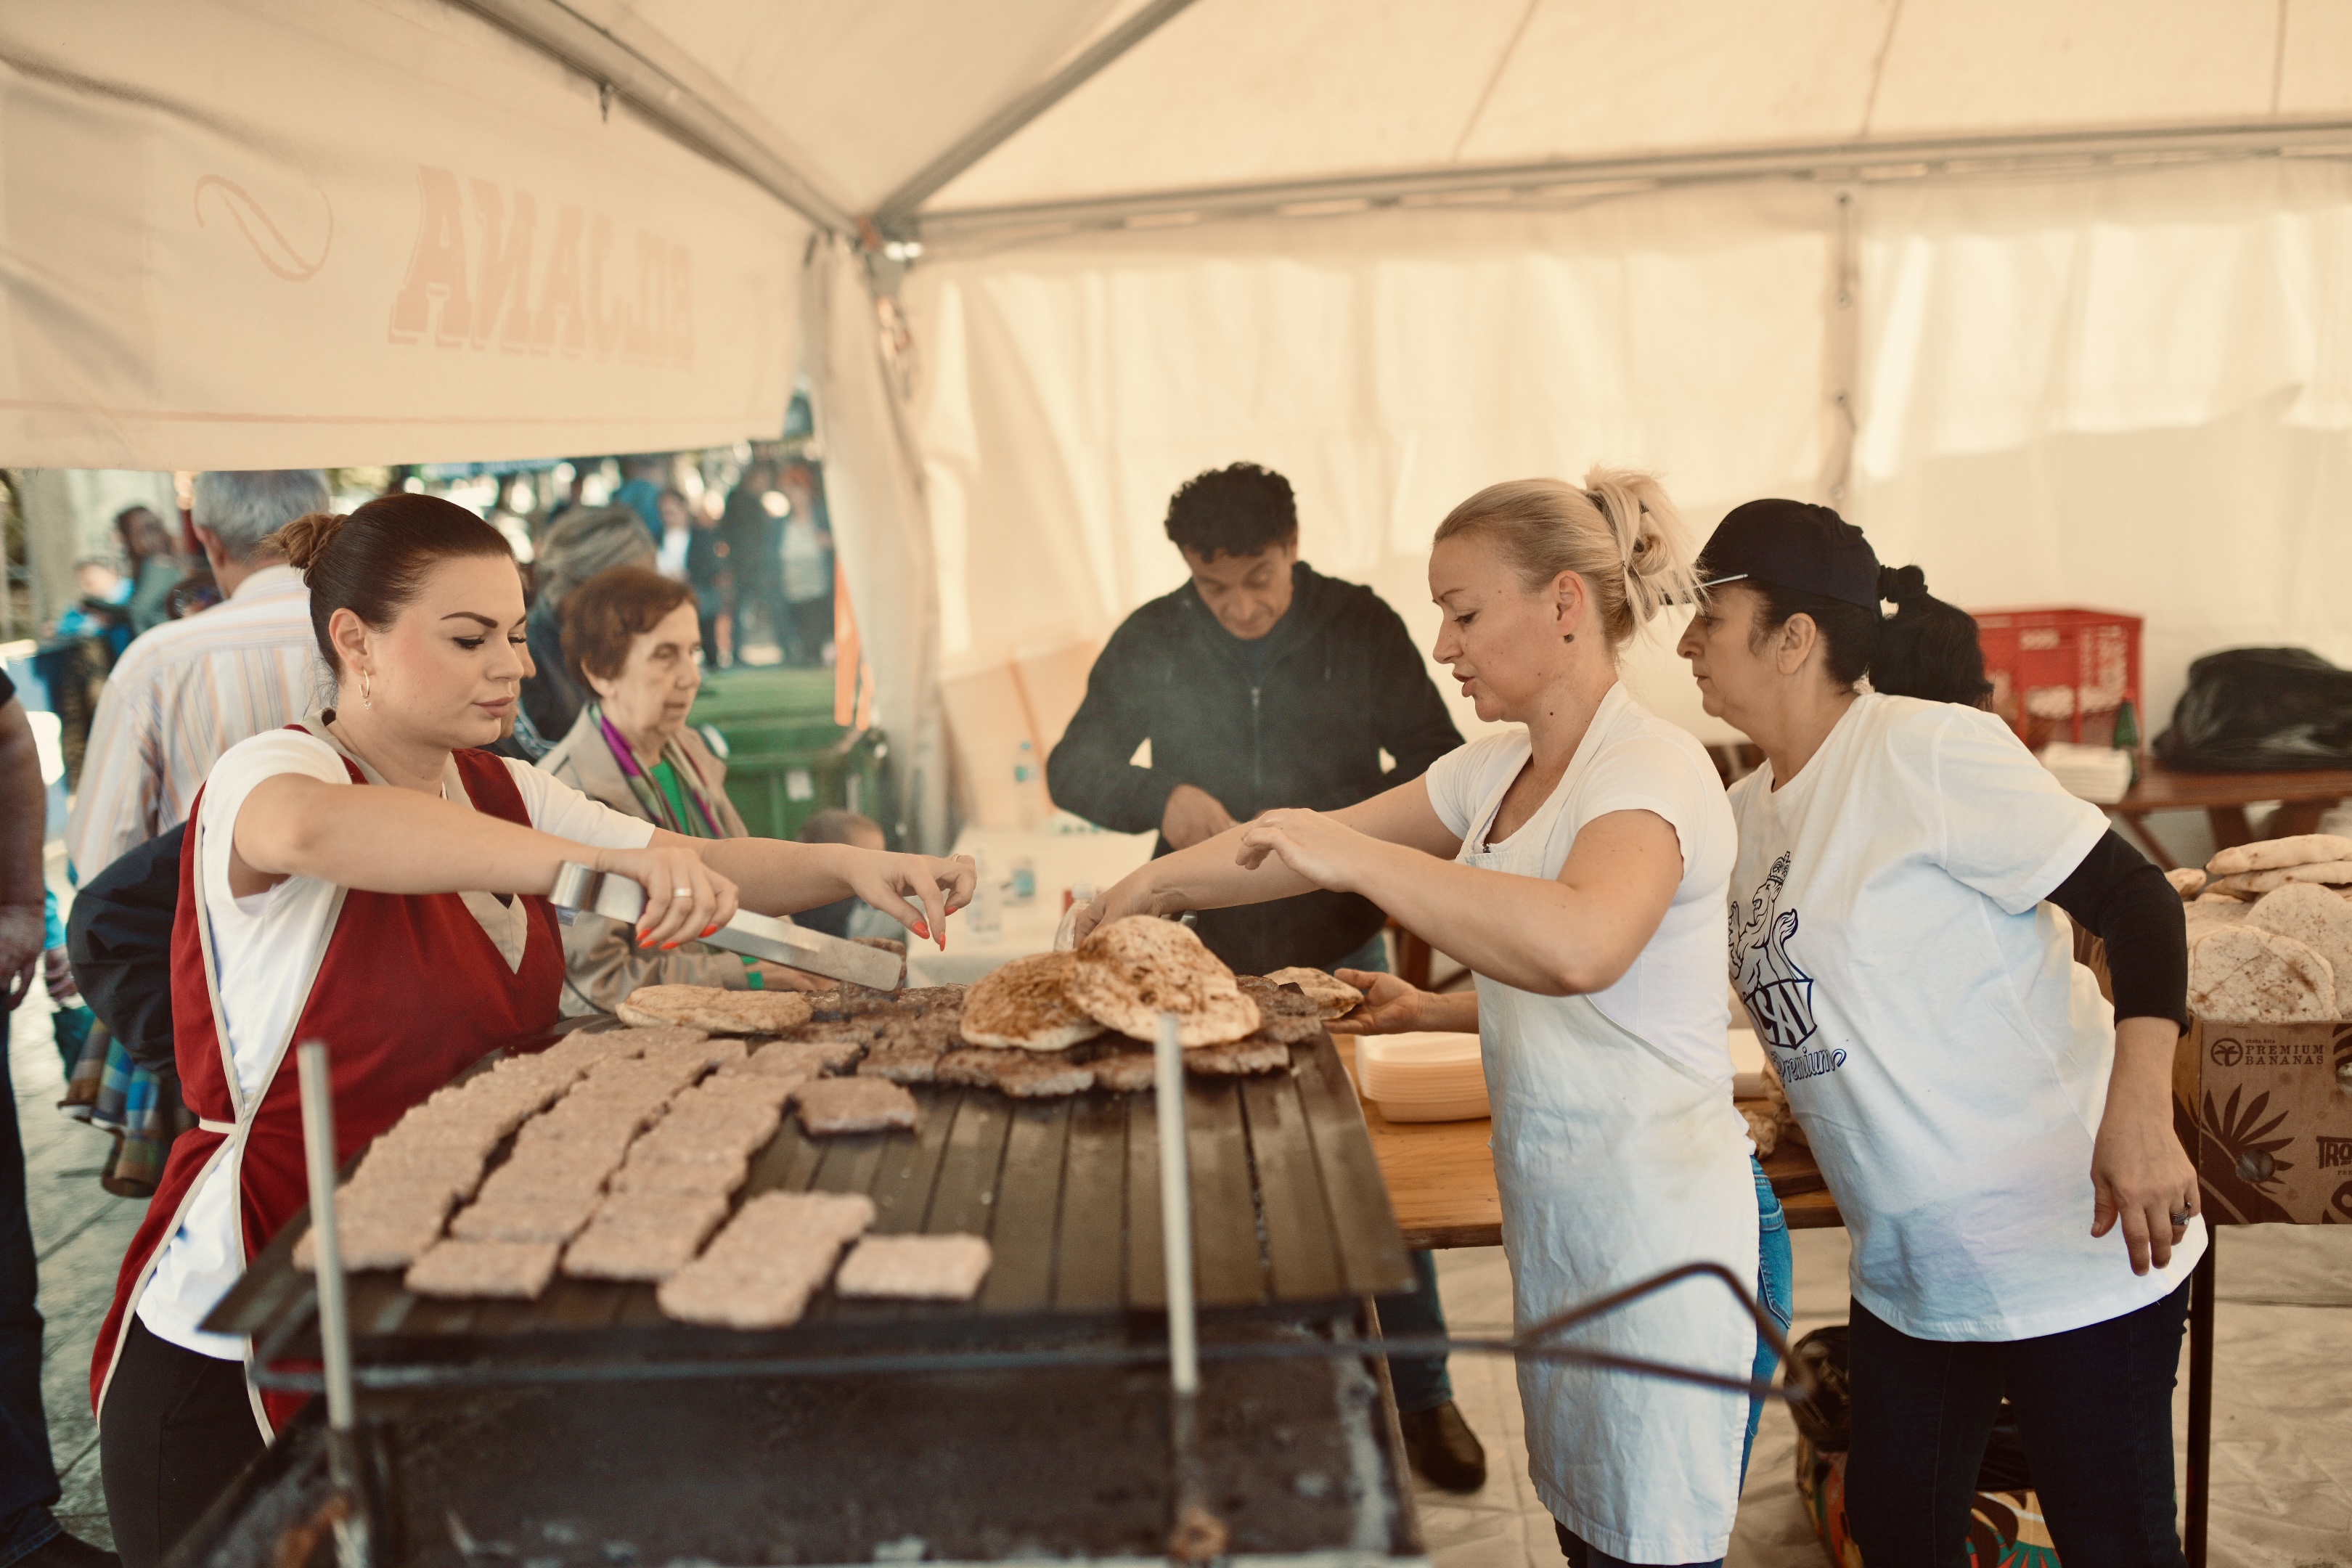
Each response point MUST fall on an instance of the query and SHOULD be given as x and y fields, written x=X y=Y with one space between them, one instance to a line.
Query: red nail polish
x=708 y=929
x=923 y=930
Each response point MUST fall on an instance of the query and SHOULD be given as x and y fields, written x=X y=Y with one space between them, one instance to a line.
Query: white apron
x=1615 y=1163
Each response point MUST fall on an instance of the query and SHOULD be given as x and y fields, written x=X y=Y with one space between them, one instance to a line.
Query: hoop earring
x=365 y=700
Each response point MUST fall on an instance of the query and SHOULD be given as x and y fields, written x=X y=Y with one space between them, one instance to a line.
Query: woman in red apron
x=369 y=879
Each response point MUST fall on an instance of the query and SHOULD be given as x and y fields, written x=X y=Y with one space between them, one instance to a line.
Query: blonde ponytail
x=1618 y=532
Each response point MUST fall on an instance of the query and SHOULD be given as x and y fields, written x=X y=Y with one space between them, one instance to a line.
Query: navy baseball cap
x=1792 y=544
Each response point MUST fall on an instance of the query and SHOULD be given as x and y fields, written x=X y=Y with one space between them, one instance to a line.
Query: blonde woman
x=1578 y=866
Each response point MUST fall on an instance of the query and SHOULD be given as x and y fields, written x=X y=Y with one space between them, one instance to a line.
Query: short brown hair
x=605 y=614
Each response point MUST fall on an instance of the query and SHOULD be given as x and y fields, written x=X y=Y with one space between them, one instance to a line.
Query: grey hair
x=247 y=507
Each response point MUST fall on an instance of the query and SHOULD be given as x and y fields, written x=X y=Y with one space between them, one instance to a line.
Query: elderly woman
x=577 y=546
x=631 y=640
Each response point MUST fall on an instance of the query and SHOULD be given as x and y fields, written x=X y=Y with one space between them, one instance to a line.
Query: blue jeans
x=2094 y=1408
x=1775 y=1276
x=28 y=1479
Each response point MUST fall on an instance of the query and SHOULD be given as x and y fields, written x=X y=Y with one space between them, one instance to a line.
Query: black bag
x=2261 y=710
x=119 y=937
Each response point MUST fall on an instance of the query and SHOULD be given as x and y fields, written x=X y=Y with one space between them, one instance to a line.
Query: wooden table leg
x=2230 y=825
x=2138 y=822
x=2298 y=816
x=2201 y=1400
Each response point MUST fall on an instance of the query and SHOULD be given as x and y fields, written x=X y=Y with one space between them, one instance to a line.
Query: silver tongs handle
x=618 y=898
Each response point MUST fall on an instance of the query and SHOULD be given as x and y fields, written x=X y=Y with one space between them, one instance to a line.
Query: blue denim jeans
x=1775 y=1276
x=28 y=1480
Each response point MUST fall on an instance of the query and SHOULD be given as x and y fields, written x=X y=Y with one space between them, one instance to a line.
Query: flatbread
x=1025 y=1005
x=711 y=1008
x=1130 y=972
x=915 y=1267
x=1284 y=1012
x=2276 y=854
x=2187 y=881
x=1763 y=1128
x=1024 y=1076
x=2316 y=918
x=1238 y=1058
x=833 y=1105
x=2335 y=873
x=2241 y=976
x=1334 y=995
x=509 y=1270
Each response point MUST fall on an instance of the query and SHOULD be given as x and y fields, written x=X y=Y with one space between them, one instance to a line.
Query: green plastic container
x=786 y=759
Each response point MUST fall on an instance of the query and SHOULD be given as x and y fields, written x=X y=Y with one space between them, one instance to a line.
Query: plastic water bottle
x=984 y=921
x=1030 y=806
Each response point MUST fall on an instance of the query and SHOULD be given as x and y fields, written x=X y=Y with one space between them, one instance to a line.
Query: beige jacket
x=600 y=964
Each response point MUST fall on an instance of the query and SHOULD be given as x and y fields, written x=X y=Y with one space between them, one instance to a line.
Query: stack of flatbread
x=2270 y=931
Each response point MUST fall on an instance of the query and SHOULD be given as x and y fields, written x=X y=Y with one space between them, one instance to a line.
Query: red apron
x=410 y=991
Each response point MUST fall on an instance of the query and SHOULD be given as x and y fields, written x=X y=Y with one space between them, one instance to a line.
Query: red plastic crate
x=2062 y=674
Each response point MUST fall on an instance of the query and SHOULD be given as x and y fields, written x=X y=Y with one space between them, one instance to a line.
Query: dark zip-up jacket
x=1341 y=682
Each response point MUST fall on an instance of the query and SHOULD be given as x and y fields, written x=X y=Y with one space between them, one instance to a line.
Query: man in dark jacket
x=1260 y=683
x=1263 y=683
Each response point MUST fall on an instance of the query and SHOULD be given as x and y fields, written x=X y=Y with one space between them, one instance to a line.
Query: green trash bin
x=786 y=759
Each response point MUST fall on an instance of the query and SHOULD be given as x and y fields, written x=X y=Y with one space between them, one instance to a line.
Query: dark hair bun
x=1902 y=584
x=305 y=539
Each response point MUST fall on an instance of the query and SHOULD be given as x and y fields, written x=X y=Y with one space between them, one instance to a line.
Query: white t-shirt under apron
x=264 y=947
x=1946 y=1056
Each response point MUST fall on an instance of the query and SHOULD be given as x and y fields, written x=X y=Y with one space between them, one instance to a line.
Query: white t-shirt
x=1946 y=1056
x=265 y=948
x=1629 y=759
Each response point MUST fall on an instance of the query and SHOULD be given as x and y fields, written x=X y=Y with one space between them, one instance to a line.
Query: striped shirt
x=183 y=694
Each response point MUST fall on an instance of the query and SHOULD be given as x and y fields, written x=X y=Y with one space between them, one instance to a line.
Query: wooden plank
x=1370 y=1249
x=1228 y=1262
x=1089 y=1266
x=964 y=1198
x=909 y=1167
x=1302 y=1258
x=1028 y=1197
x=1146 y=1269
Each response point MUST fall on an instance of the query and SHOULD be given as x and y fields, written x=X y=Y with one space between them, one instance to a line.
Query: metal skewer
x=345 y=1466
x=1197 y=1534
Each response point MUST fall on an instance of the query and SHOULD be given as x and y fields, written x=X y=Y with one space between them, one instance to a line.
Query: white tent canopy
x=2049 y=296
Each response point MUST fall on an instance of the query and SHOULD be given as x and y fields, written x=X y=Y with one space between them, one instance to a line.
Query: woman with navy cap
x=1999 y=1139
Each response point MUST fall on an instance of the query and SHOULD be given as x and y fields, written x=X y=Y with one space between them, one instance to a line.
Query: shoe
x=63 y=1550
x=1445 y=1452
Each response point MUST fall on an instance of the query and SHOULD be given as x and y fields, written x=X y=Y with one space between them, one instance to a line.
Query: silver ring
x=2183 y=1218
x=681 y=892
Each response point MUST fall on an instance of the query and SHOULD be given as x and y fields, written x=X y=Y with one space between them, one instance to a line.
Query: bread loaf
x=2241 y=976
x=2276 y=854
x=2317 y=919
x=1132 y=971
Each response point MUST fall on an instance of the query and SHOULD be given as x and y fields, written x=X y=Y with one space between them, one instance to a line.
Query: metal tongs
x=583 y=890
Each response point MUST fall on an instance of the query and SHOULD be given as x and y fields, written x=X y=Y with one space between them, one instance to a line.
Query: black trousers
x=2093 y=1406
x=175 y=1430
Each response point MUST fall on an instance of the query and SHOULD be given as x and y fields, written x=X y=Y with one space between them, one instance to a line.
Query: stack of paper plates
x=1423 y=1077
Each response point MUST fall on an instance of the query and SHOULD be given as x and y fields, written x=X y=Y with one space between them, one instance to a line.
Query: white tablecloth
x=1062 y=859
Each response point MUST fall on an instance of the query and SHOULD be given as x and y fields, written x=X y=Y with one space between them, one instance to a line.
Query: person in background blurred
x=582 y=545
x=677 y=536
x=99 y=612
x=29 y=1534
x=642 y=480
x=574 y=489
x=837 y=825
x=630 y=636
x=155 y=566
x=187 y=691
x=806 y=555
x=752 y=528
x=706 y=573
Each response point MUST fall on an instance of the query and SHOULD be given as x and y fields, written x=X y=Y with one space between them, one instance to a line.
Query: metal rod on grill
x=1198 y=1535
x=344 y=1464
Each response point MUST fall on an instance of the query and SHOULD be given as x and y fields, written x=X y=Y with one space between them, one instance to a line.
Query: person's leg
x=176 y=1430
x=1921 y=1411
x=2094 y=1407
x=1581 y=1554
x=28 y=1479
x=1776 y=1274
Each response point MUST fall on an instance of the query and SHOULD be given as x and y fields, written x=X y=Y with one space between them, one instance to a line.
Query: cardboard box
x=2265 y=1111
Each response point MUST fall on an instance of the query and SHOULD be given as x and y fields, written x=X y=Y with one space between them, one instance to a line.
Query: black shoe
x=1444 y=1450
x=63 y=1550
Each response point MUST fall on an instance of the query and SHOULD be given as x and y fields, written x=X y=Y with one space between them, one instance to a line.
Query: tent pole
x=1921 y=157
x=892 y=215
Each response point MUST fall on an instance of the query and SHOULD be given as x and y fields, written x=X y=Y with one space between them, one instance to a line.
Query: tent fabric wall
x=282 y=233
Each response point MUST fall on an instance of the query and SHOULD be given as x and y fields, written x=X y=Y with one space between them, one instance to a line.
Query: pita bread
x=711 y=1008
x=1026 y=1005
x=1334 y=995
x=1132 y=971
x=1285 y=1013
x=2187 y=881
x=2317 y=919
x=2276 y=854
x=2238 y=975
x=2249 y=883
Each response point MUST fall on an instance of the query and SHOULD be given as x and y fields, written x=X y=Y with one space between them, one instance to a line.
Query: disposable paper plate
x=1423 y=1077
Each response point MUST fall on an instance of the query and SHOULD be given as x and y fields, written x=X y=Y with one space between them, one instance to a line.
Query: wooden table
x=2302 y=795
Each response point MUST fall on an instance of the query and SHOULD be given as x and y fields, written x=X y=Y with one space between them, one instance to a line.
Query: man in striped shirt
x=188 y=690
